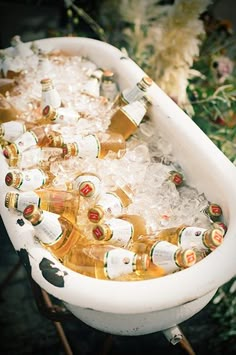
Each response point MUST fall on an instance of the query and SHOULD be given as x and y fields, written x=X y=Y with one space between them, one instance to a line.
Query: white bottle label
x=49 y=229
x=89 y=146
x=25 y=141
x=32 y=179
x=135 y=112
x=27 y=198
x=66 y=116
x=12 y=130
x=131 y=95
x=162 y=254
x=191 y=237
x=111 y=203
x=51 y=98
x=86 y=189
x=118 y=262
x=122 y=231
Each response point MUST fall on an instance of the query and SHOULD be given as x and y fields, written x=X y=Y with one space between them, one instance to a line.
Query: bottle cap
x=47 y=84
x=46 y=81
x=49 y=112
x=101 y=232
x=32 y=213
x=176 y=177
x=95 y=214
x=147 y=80
x=108 y=74
x=213 y=210
x=10 y=150
x=86 y=189
x=189 y=257
x=13 y=179
x=216 y=237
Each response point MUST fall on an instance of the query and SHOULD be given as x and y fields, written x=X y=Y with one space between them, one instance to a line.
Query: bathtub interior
x=205 y=167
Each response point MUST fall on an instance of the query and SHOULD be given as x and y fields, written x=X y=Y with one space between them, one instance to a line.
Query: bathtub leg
x=175 y=336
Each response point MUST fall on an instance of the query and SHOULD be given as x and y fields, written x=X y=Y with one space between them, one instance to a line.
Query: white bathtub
x=135 y=308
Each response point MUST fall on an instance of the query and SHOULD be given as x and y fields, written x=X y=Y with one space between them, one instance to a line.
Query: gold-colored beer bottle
x=108 y=86
x=30 y=179
x=61 y=115
x=126 y=119
x=104 y=261
x=96 y=146
x=50 y=95
x=10 y=131
x=111 y=203
x=92 y=85
x=36 y=136
x=135 y=93
x=36 y=157
x=87 y=184
x=121 y=231
x=56 y=233
x=168 y=256
x=192 y=237
x=64 y=203
x=7 y=111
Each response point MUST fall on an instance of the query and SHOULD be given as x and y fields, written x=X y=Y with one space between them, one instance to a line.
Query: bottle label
x=135 y=112
x=12 y=130
x=109 y=90
x=25 y=141
x=192 y=237
x=122 y=231
x=66 y=116
x=49 y=229
x=89 y=146
x=163 y=255
x=111 y=203
x=32 y=179
x=118 y=262
x=88 y=185
x=27 y=198
x=51 y=98
x=131 y=95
